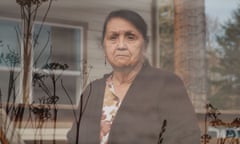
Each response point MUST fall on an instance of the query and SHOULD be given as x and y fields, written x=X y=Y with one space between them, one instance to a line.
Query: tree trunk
x=189 y=45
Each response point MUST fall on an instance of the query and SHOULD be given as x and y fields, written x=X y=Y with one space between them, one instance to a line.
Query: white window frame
x=80 y=74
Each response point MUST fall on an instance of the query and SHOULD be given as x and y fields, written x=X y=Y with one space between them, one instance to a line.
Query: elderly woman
x=135 y=103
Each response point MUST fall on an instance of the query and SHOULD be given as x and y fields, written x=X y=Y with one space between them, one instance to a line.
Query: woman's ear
x=146 y=41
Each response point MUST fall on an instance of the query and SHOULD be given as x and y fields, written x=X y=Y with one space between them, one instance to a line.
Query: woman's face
x=124 y=45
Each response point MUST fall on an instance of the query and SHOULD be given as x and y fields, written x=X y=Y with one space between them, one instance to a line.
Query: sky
x=221 y=9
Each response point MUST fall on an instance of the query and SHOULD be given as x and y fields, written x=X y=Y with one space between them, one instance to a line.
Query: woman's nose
x=122 y=42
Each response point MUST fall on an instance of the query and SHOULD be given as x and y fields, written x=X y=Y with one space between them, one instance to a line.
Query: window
x=200 y=42
x=54 y=45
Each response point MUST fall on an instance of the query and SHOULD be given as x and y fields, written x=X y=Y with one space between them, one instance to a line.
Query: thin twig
x=43 y=21
x=70 y=100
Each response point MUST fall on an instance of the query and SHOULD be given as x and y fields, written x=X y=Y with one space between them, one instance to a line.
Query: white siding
x=92 y=12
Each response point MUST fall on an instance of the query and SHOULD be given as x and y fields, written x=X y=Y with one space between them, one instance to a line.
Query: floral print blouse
x=111 y=104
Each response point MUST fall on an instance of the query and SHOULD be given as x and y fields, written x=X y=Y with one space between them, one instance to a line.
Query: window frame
x=81 y=73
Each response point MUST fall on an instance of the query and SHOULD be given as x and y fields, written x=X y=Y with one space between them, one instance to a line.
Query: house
x=72 y=36
x=80 y=14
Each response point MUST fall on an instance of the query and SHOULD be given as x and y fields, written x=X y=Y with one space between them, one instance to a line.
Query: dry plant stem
x=27 y=51
x=82 y=109
x=205 y=128
x=55 y=108
x=16 y=111
x=10 y=89
x=3 y=139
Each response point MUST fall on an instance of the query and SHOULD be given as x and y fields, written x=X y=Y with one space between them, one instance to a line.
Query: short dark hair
x=132 y=17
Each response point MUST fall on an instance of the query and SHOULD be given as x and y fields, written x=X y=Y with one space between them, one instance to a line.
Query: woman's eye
x=131 y=36
x=112 y=37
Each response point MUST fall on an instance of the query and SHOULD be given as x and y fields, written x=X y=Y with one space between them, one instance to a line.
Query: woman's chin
x=121 y=65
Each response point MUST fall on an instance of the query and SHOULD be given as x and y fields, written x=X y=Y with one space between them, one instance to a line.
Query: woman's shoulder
x=162 y=73
x=148 y=69
x=100 y=80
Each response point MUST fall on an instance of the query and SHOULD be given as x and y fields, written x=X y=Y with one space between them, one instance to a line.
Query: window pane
x=57 y=45
x=9 y=43
x=42 y=45
x=66 y=47
x=9 y=92
x=66 y=89
x=10 y=56
x=57 y=48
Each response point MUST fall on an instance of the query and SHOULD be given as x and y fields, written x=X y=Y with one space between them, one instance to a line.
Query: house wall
x=91 y=17
x=91 y=14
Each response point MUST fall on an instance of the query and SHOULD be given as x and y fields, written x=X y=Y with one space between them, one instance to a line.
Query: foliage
x=11 y=58
x=41 y=111
x=166 y=44
x=39 y=80
x=228 y=67
x=29 y=2
x=212 y=118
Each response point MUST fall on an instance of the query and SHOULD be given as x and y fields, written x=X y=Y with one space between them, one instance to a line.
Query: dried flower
x=30 y=2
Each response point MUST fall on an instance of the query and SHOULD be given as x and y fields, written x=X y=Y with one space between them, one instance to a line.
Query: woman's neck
x=126 y=76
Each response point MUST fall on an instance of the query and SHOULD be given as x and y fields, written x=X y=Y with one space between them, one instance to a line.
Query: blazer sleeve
x=74 y=132
x=181 y=121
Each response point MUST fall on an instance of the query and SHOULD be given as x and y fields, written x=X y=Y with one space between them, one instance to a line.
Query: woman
x=135 y=103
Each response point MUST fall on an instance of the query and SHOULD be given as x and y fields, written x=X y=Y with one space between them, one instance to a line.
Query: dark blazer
x=153 y=97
